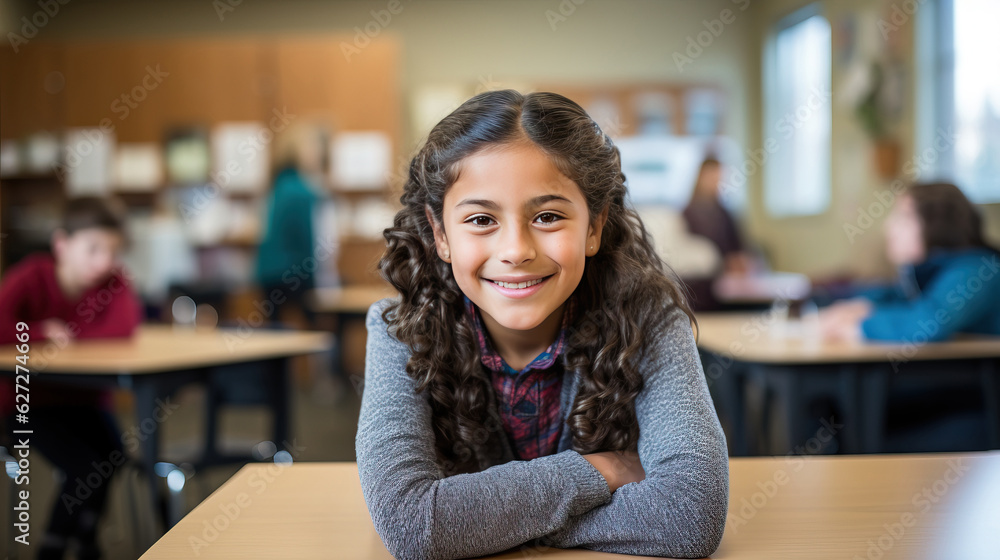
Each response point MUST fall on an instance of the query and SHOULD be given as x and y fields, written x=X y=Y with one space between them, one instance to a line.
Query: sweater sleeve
x=952 y=302
x=421 y=514
x=679 y=510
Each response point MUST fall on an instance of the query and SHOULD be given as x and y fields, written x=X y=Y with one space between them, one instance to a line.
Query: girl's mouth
x=519 y=289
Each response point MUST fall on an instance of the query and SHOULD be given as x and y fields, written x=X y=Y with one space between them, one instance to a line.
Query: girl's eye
x=481 y=221
x=552 y=218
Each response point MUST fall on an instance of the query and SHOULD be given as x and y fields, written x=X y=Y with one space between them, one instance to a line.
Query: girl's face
x=512 y=216
x=904 y=240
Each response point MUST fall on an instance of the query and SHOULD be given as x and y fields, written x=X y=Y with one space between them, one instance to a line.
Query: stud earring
x=446 y=254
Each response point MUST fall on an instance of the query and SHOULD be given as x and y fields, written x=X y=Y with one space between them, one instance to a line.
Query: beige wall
x=471 y=41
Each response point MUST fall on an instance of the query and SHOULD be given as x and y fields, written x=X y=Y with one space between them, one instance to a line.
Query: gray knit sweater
x=559 y=500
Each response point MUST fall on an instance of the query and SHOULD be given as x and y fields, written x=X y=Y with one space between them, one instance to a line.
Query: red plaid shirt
x=529 y=399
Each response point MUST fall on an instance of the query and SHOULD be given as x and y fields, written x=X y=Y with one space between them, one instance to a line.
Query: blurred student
x=949 y=278
x=76 y=292
x=705 y=216
x=286 y=252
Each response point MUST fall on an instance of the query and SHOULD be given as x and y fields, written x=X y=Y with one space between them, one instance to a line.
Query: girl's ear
x=594 y=234
x=440 y=239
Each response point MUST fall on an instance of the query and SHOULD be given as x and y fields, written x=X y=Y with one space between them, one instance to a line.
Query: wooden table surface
x=159 y=348
x=763 y=338
x=913 y=506
x=349 y=299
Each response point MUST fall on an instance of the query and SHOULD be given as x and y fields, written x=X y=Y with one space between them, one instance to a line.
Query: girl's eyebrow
x=534 y=202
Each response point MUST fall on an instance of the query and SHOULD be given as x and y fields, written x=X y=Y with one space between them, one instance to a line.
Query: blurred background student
x=288 y=244
x=707 y=217
x=948 y=280
x=75 y=292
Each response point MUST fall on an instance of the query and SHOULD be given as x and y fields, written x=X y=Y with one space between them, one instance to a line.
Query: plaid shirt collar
x=492 y=360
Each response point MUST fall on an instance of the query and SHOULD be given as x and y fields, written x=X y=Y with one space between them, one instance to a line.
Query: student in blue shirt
x=949 y=278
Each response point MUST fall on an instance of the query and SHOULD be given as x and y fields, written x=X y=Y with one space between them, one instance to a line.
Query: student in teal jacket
x=949 y=279
x=286 y=266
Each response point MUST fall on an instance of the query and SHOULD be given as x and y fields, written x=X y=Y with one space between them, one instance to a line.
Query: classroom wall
x=472 y=42
x=597 y=41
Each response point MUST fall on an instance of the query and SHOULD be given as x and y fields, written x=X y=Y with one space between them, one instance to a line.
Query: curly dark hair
x=626 y=291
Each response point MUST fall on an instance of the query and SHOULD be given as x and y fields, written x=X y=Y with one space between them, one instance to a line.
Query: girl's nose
x=516 y=246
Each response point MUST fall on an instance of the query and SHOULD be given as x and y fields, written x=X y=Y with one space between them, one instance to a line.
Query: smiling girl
x=537 y=378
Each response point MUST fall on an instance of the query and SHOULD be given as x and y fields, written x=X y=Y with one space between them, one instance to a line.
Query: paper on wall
x=240 y=155
x=361 y=160
x=87 y=160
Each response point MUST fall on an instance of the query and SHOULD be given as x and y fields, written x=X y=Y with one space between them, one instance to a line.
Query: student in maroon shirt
x=77 y=292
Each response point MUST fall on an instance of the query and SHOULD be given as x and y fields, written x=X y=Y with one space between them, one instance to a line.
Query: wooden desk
x=783 y=507
x=757 y=337
x=163 y=348
x=347 y=303
x=789 y=363
x=349 y=299
x=158 y=360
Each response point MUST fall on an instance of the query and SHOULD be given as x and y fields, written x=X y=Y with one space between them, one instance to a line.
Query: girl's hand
x=618 y=467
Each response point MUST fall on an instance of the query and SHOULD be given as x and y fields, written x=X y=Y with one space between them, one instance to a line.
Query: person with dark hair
x=76 y=292
x=949 y=277
x=537 y=378
x=707 y=217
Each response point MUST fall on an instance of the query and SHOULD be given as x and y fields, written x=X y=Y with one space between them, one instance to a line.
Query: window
x=797 y=116
x=959 y=85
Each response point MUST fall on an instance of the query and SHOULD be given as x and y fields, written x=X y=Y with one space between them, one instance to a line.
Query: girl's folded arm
x=417 y=511
x=679 y=510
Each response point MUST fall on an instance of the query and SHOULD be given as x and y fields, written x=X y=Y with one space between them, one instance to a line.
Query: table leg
x=787 y=386
x=279 y=393
x=341 y=356
x=146 y=393
x=758 y=418
x=991 y=395
x=725 y=385
x=873 y=400
x=851 y=405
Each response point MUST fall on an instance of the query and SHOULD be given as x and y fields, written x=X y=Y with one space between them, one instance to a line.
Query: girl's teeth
x=519 y=285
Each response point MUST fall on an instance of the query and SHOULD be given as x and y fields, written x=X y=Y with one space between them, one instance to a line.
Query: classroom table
x=158 y=359
x=761 y=288
x=346 y=303
x=789 y=357
x=815 y=507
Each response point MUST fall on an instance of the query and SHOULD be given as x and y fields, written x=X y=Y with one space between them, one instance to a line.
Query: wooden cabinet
x=145 y=88
x=32 y=89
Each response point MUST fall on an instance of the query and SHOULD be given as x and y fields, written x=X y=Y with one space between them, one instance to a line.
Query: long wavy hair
x=949 y=221
x=626 y=291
